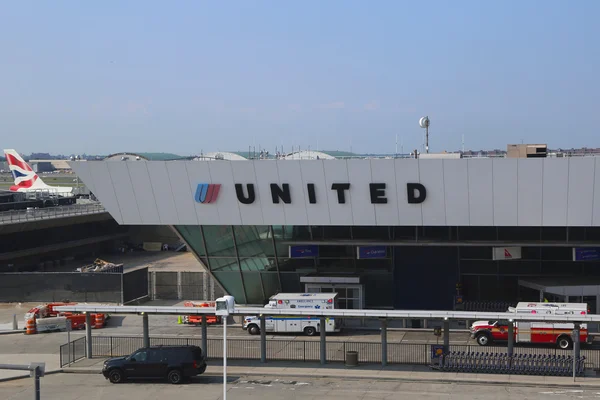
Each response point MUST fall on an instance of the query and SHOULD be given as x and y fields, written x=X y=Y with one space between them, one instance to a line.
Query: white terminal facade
x=397 y=233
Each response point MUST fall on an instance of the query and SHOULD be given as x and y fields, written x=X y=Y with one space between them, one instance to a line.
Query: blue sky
x=187 y=76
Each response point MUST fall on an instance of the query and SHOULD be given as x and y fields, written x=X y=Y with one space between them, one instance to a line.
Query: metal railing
x=37 y=214
x=73 y=351
x=309 y=350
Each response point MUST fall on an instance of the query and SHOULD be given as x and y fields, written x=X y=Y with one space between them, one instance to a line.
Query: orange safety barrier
x=99 y=321
x=30 y=327
x=197 y=319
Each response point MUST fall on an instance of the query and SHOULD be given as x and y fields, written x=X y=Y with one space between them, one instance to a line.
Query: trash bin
x=351 y=358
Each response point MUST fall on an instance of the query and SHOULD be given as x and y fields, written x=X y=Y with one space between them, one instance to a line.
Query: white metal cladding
x=463 y=192
x=418 y=314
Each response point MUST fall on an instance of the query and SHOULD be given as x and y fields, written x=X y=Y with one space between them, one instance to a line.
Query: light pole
x=223 y=307
x=424 y=123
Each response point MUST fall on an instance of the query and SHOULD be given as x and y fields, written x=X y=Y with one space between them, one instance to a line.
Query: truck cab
x=485 y=332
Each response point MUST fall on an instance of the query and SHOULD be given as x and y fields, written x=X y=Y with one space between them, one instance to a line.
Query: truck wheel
x=253 y=330
x=483 y=339
x=115 y=376
x=564 y=342
x=310 y=331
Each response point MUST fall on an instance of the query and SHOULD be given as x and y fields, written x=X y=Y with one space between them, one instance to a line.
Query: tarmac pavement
x=246 y=387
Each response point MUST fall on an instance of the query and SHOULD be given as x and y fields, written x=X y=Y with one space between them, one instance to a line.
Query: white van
x=298 y=324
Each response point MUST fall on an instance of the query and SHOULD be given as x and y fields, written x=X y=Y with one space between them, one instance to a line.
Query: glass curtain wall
x=253 y=263
x=241 y=258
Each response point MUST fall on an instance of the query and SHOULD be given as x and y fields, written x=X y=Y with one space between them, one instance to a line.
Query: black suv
x=172 y=362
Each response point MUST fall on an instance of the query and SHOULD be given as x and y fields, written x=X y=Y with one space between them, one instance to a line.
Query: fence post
x=204 y=336
x=384 y=342
x=88 y=334
x=263 y=339
x=323 y=346
x=146 y=330
x=304 y=348
x=111 y=346
x=511 y=338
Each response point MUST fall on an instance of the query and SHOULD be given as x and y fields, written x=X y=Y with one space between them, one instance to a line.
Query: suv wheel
x=115 y=376
x=483 y=339
x=310 y=331
x=253 y=330
x=175 y=377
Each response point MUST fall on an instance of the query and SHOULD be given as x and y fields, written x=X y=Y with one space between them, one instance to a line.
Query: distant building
x=526 y=150
x=49 y=165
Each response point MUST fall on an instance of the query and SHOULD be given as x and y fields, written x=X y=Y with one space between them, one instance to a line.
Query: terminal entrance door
x=349 y=297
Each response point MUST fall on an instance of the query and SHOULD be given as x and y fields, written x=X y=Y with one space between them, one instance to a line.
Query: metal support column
x=511 y=337
x=576 y=353
x=446 y=336
x=204 y=336
x=146 y=333
x=384 y=325
x=88 y=335
x=36 y=370
x=36 y=383
x=323 y=331
x=263 y=339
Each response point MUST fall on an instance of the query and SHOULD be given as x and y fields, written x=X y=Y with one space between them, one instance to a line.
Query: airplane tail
x=23 y=174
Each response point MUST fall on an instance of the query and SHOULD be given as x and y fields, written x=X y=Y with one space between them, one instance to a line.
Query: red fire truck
x=486 y=332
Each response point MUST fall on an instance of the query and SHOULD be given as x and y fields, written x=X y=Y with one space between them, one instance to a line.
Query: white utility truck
x=296 y=301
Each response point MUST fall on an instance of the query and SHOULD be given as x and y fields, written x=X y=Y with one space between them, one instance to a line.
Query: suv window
x=155 y=356
x=140 y=356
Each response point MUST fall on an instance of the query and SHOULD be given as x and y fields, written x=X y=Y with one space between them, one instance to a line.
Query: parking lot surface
x=95 y=387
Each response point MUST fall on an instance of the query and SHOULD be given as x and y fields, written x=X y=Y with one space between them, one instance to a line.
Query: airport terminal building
x=396 y=233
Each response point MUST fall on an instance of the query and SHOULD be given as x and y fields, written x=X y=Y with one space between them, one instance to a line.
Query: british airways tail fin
x=24 y=176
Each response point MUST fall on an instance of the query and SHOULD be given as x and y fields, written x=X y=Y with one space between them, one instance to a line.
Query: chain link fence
x=309 y=350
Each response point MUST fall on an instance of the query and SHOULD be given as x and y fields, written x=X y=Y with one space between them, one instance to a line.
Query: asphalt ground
x=95 y=387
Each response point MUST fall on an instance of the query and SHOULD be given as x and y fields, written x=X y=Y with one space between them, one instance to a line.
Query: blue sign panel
x=371 y=252
x=436 y=351
x=309 y=250
x=586 y=253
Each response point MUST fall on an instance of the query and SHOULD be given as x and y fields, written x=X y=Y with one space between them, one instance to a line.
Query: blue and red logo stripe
x=207 y=192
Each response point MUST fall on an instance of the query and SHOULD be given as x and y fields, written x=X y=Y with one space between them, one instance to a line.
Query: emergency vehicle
x=486 y=332
x=282 y=323
x=197 y=319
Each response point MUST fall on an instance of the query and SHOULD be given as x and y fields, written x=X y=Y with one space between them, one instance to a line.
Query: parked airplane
x=26 y=180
